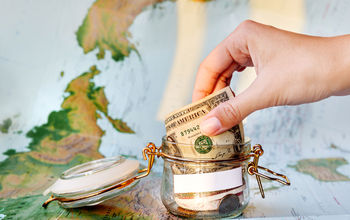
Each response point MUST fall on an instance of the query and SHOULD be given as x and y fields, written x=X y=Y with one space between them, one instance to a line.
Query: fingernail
x=210 y=126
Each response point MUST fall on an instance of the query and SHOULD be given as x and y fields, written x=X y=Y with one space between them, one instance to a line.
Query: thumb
x=230 y=113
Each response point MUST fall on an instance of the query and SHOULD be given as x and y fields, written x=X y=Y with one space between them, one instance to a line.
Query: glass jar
x=213 y=184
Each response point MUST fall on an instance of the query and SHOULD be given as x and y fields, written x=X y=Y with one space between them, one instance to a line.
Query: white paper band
x=207 y=182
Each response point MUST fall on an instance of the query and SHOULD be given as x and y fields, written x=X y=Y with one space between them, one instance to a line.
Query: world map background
x=140 y=60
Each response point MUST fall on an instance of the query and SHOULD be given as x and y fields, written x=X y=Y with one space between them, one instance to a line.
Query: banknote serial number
x=189 y=130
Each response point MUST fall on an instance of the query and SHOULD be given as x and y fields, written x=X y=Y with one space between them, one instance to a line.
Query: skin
x=291 y=69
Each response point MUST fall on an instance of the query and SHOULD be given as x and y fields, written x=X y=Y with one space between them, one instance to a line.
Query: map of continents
x=71 y=135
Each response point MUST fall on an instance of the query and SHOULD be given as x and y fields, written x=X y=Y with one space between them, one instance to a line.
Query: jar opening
x=169 y=140
x=205 y=151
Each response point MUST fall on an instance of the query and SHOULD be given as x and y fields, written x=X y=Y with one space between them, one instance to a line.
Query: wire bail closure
x=149 y=153
x=253 y=170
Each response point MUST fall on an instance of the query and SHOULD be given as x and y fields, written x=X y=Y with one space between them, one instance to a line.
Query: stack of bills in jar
x=186 y=141
x=182 y=127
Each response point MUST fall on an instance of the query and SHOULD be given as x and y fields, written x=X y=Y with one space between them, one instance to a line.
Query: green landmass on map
x=323 y=169
x=69 y=137
x=10 y=152
x=5 y=125
x=106 y=27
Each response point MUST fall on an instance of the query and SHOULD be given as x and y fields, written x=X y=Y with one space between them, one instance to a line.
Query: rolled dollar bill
x=182 y=129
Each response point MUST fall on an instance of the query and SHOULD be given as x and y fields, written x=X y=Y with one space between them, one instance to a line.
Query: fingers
x=232 y=112
x=230 y=55
x=219 y=64
x=225 y=78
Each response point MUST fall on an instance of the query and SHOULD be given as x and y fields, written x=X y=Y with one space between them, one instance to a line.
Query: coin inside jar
x=229 y=204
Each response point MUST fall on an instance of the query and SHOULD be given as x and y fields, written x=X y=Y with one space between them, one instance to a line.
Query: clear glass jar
x=215 y=186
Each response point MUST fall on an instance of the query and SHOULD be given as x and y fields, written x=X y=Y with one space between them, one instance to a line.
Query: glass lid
x=94 y=182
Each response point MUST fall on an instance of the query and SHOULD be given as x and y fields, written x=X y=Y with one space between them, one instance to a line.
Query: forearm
x=317 y=67
x=339 y=77
x=291 y=69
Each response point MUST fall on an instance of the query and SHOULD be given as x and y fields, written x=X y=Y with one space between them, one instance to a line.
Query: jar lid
x=94 y=182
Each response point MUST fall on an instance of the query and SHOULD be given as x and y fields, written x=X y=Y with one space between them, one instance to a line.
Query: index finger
x=210 y=70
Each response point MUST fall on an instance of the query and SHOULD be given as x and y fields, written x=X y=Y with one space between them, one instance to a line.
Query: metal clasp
x=253 y=170
x=149 y=152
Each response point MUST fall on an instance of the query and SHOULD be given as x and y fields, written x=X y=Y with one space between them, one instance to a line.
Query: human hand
x=291 y=69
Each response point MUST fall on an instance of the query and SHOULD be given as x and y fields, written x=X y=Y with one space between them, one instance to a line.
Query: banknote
x=183 y=131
